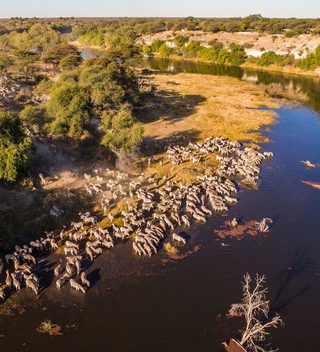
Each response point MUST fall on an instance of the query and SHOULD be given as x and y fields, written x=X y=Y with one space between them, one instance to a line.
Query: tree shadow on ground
x=168 y=105
x=152 y=146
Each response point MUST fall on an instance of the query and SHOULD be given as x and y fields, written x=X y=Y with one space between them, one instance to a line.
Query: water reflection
x=303 y=86
x=140 y=305
x=291 y=86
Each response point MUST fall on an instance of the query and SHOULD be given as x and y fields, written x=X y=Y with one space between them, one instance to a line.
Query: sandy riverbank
x=190 y=107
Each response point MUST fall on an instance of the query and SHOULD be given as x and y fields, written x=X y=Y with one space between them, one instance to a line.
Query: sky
x=159 y=8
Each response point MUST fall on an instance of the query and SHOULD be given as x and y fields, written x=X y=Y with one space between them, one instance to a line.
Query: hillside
x=255 y=43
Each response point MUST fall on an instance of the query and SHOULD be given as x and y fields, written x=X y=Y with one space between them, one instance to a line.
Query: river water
x=156 y=305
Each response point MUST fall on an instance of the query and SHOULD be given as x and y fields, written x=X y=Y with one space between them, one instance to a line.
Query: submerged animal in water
x=308 y=163
x=2 y=294
x=263 y=225
x=76 y=286
x=178 y=238
x=84 y=279
x=312 y=184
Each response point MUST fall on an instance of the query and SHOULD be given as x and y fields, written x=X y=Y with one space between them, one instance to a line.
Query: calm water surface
x=151 y=305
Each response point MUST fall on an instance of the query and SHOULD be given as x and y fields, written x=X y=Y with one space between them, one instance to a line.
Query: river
x=149 y=304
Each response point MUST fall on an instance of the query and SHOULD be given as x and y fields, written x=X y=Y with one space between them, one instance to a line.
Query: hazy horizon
x=165 y=8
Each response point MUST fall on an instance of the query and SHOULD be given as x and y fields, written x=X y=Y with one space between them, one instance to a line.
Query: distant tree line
x=136 y=27
x=233 y=55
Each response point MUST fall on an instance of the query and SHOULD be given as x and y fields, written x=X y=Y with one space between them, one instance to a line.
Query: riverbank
x=255 y=43
x=88 y=48
x=272 y=68
x=292 y=70
x=191 y=107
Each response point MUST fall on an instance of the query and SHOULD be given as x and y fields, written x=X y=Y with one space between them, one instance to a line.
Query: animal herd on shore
x=8 y=89
x=156 y=210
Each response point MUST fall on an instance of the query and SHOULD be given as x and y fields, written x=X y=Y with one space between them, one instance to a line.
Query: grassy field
x=191 y=107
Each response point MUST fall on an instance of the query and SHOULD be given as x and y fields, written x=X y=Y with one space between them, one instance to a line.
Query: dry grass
x=170 y=248
x=228 y=107
x=193 y=107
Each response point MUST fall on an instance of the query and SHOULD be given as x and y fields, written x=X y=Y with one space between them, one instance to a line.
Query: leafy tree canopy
x=5 y=62
x=34 y=117
x=98 y=87
x=57 y=53
x=68 y=109
x=122 y=47
x=37 y=38
x=181 y=40
x=121 y=131
x=15 y=146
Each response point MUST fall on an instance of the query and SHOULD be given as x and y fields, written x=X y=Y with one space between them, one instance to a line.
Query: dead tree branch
x=254 y=308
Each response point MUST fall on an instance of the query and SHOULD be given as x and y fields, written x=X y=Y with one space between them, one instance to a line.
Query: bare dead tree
x=255 y=310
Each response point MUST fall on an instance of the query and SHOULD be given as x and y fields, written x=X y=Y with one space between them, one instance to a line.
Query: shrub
x=59 y=53
x=181 y=40
x=44 y=86
x=92 y=36
x=33 y=117
x=5 y=62
x=155 y=46
x=193 y=49
x=271 y=58
x=15 y=146
x=216 y=44
x=68 y=110
x=311 y=61
x=237 y=55
x=70 y=62
x=165 y=51
x=121 y=132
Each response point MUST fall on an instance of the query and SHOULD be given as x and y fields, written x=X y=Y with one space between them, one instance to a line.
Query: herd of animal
x=8 y=89
x=156 y=210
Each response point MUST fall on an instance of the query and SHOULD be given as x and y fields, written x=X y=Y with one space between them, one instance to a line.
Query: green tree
x=181 y=40
x=33 y=117
x=5 y=62
x=237 y=55
x=311 y=61
x=98 y=85
x=68 y=110
x=271 y=58
x=193 y=48
x=58 y=53
x=165 y=51
x=37 y=38
x=146 y=49
x=122 y=48
x=70 y=62
x=15 y=146
x=90 y=35
x=25 y=61
x=110 y=84
x=155 y=46
x=121 y=131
